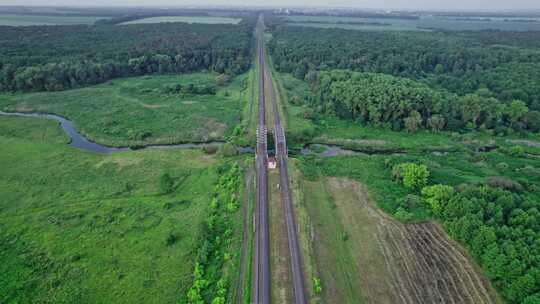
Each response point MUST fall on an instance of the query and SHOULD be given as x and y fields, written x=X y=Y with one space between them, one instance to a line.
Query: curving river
x=79 y=141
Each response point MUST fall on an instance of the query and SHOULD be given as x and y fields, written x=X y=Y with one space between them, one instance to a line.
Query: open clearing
x=363 y=255
x=78 y=227
x=185 y=19
x=26 y=20
x=137 y=111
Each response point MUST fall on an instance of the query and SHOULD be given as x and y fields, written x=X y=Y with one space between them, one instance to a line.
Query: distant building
x=272 y=163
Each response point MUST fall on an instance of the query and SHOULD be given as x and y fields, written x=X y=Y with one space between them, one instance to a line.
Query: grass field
x=424 y=23
x=77 y=227
x=137 y=111
x=185 y=19
x=26 y=20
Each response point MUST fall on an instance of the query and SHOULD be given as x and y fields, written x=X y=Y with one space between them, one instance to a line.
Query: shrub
x=530 y=170
x=502 y=166
x=410 y=202
x=210 y=149
x=516 y=151
x=403 y=215
x=436 y=196
x=229 y=149
x=222 y=79
x=171 y=239
x=412 y=175
x=504 y=183
x=166 y=183
x=317 y=286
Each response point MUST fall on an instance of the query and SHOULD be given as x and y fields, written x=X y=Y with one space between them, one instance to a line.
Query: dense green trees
x=54 y=58
x=507 y=64
x=501 y=229
x=413 y=176
x=403 y=104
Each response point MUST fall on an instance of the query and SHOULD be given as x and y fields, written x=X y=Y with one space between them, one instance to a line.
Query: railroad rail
x=261 y=269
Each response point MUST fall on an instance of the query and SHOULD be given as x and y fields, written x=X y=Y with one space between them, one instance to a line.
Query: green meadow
x=78 y=227
x=143 y=110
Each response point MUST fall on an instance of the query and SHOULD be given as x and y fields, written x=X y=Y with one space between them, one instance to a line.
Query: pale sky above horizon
x=388 y=4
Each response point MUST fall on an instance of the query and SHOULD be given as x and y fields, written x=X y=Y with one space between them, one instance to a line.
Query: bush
x=210 y=149
x=222 y=79
x=412 y=175
x=166 y=183
x=436 y=197
x=229 y=149
x=530 y=170
x=171 y=239
x=502 y=166
x=403 y=215
x=504 y=183
x=317 y=286
x=411 y=202
x=515 y=151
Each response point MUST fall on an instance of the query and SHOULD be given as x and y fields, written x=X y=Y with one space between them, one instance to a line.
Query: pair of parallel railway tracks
x=261 y=269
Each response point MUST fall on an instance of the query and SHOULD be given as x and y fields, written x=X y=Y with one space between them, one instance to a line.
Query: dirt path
x=398 y=263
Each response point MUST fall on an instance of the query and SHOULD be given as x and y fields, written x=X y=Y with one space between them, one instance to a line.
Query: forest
x=403 y=104
x=506 y=64
x=55 y=58
x=500 y=226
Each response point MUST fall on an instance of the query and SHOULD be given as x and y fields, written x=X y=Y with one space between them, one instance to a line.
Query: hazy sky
x=400 y=4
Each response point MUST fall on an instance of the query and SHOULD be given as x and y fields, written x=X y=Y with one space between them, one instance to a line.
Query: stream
x=79 y=141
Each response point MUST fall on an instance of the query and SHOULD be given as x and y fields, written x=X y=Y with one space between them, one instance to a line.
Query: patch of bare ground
x=153 y=106
x=121 y=160
x=404 y=263
x=280 y=276
x=359 y=142
x=214 y=129
x=22 y=107
x=526 y=143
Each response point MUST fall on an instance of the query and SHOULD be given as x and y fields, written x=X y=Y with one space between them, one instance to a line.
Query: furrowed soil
x=365 y=256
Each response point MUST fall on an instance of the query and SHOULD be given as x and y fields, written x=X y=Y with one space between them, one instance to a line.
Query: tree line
x=53 y=58
x=403 y=104
x=462 y=62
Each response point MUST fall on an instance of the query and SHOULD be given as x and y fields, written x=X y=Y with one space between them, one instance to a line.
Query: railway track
x=261 y=269
x=286 y=197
